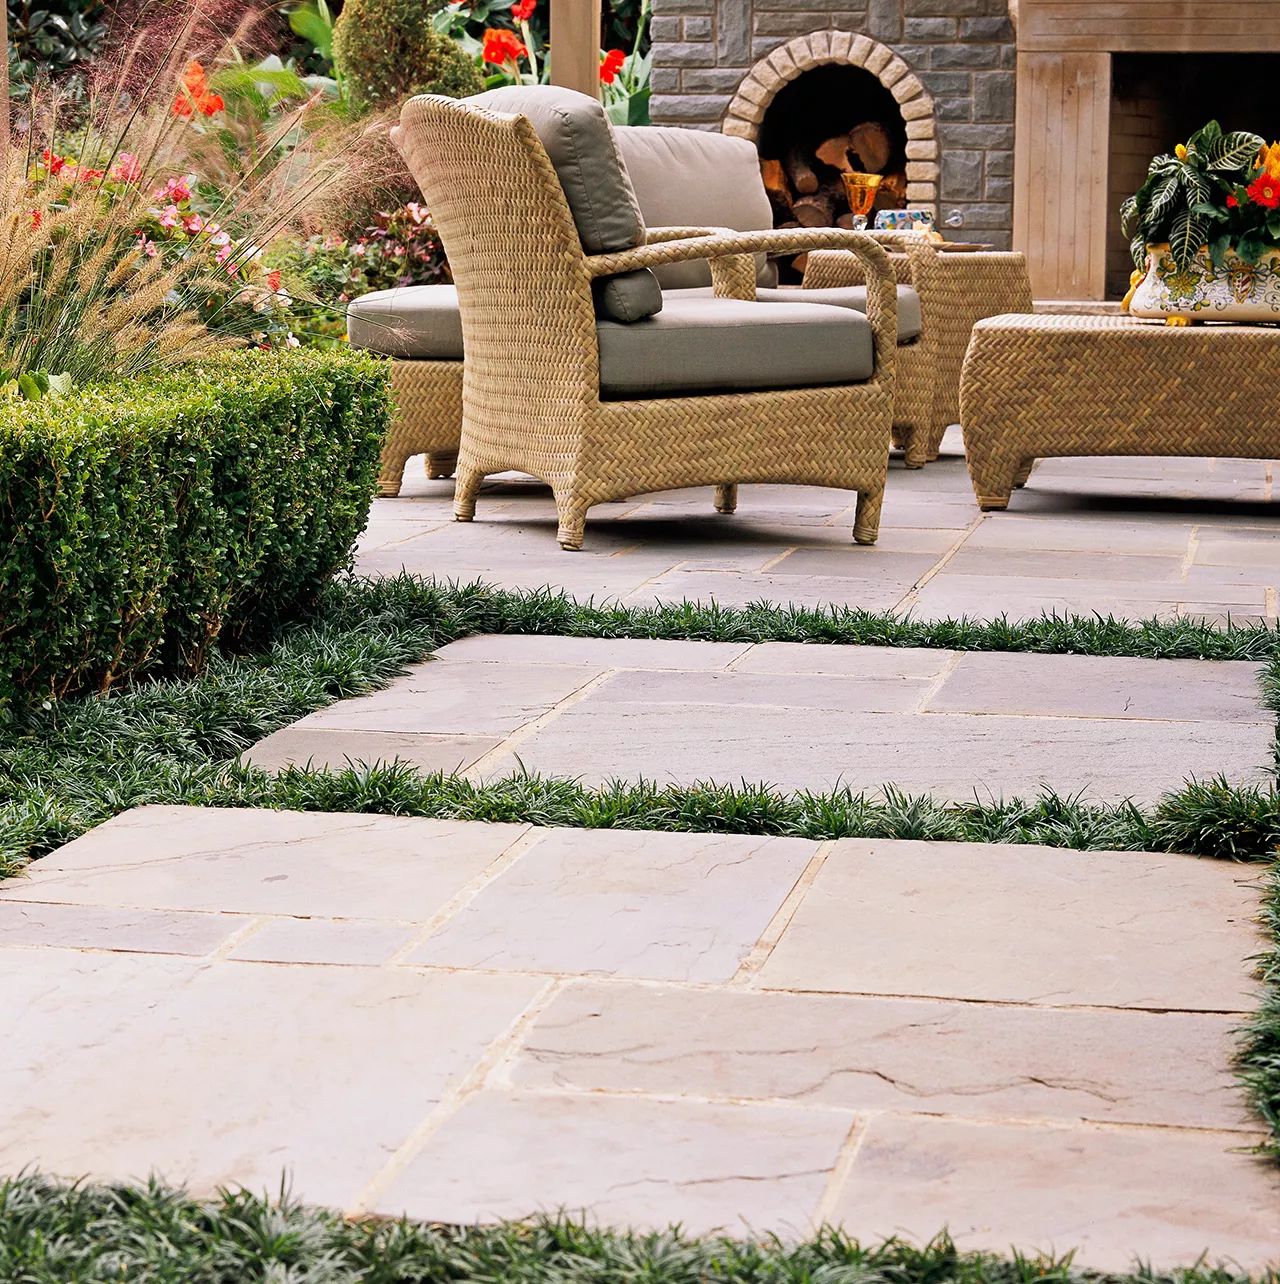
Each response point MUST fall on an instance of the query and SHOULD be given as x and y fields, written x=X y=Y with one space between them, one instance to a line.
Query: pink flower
x=169 y=216
x=148 y=246
x=192 y=223
x=128 y=168
x=417 y=212
x=175 y=190
x=218 y=238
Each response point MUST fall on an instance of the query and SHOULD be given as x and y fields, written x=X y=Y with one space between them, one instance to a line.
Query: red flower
x=193 y=94
x=610 y=65
x=36 y=218
x=1231 y=200
x=88 y=175
x=502 y=46
x=1265 y=191
x=522 y=11
x=211 y=104
x=273 y=279
x=55 y=164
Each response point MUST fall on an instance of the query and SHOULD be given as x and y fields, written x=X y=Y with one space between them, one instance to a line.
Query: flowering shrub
x=1217 y=190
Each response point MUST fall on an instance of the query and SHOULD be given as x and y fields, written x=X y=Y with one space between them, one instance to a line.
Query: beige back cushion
x=688 y=178
x=580 y=144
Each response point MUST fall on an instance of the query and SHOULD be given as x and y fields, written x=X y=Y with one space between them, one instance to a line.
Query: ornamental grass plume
x=132 y=228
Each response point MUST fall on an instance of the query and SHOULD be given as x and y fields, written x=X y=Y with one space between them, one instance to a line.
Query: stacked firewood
x=805 y=188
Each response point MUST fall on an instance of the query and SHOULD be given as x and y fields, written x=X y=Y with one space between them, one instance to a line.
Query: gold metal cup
x=861 y=192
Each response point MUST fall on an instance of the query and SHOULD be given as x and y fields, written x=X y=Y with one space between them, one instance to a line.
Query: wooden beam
x=1149 y=26
x=575 y=45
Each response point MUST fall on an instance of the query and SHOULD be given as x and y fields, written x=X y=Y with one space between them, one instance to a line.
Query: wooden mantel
x=1063 y=121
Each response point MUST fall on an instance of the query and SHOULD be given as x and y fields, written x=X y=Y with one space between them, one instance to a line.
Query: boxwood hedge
x=142 y=521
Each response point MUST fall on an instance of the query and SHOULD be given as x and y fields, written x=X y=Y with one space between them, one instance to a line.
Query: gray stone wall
x=961 y=51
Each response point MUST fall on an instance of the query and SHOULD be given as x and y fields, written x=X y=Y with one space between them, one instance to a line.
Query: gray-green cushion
x=690 y=178
x=420 y=322
x=579 y=141
x=728 y=345
x=839 y=296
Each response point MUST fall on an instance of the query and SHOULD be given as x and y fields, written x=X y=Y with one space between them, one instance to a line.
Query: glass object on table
x=861 y=192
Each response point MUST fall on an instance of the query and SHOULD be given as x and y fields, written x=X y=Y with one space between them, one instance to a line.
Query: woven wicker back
x=528 y=324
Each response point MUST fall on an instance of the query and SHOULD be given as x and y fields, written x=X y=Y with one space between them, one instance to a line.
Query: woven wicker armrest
x=657 y=235
x=882 y=303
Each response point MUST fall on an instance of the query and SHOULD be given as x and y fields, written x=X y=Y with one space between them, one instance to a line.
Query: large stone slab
x=255 y=861
x=596 y=653
x=1124 y=1195
x=319 y=747
x=137 y=931
x=685 y=907
x=626 y=1162
x=979 y=1060
x=244 y=1073
x=1023 y=925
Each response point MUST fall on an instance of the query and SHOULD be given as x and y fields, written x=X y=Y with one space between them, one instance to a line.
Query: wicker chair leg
x=441 y=466
x=866 y=518
x=1024 y=471
x=572 y=513
x=391 y=474
x=464 y=493
x=727 y=497
x=915 y=446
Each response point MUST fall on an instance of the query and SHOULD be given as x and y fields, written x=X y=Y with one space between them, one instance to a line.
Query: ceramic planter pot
x=1237 y=291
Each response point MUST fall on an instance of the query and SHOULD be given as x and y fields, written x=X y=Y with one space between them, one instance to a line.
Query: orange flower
x=1265 y=191
x=502 y=46
x=193 y=94
x=610 y=65
x=273 y=279
x=522 y=11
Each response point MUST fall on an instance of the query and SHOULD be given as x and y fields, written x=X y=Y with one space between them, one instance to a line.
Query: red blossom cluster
x=610 y=65
x=194 y=94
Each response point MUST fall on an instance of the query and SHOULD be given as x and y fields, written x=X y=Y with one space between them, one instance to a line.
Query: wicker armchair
x=531 y=390
x=956 y=291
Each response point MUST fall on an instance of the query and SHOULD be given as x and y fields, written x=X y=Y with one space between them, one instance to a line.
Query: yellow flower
x=1269 y=160
x=1180 y=152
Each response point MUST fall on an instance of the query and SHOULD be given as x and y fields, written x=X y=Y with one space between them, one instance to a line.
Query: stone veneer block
x=707 y=1165
x=922 y=192
x=922 y=128
x=917 y=109
x=860 y=50
x=878 y=59
x=820 y=45
x=753 y=112
x=1114 y=1194
x=841 y=44
x=753 y=91
x=907 y=88
x=653 y=906
x=783 y=63
x=921 y=172
x=922 y=149
x=802 y=54
x=1024 y=925
x=893 y=72
x=736 y=128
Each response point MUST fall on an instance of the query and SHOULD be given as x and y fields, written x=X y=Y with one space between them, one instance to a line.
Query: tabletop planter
x=1205 y=232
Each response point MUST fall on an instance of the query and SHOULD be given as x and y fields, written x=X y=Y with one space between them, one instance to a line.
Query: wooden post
x=575 y=45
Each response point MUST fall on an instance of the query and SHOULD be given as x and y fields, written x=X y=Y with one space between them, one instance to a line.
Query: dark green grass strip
x=51 y=1233
x=67 y=767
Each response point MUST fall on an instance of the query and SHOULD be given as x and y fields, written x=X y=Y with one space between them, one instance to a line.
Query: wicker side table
x=1042 y=386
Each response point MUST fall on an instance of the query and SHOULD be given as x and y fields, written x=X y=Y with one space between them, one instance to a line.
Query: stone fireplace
x=937 y=75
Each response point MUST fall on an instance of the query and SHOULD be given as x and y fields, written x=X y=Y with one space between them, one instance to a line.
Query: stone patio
x=803 y=717
x=464 y=1021
x=1126 y=537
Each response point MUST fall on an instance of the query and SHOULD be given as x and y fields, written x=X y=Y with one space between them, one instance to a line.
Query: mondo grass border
x=67 y=766
x=53 y=1232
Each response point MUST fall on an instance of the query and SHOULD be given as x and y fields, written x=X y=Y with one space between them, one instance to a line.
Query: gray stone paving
x=462 y=1021
x=1126 y=537
x=803 y=717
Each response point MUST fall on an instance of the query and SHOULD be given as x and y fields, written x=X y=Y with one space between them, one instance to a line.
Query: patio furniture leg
x=915 y=447
x=464 y=493
x=866 y=518
x=1024 y=471
x=391 y=473
x=572 y=513
x=441 y=465
x=727 y=497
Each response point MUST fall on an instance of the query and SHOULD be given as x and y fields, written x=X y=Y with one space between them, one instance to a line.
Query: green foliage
x=141 y=522
x=52 y=1233
x=386 y=50
x=1184 y=196
x=56 y=37
x=1258 y=1059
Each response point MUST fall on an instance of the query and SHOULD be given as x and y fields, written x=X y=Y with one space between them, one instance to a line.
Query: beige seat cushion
x=688 y=178
x=728 y=345
x=910 y=322
x=420 y=322
x=580 y=142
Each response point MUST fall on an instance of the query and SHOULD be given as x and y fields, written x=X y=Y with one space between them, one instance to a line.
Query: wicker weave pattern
x=428 y=417
x=1043 y=386
x=531 y=387
x=956 y=290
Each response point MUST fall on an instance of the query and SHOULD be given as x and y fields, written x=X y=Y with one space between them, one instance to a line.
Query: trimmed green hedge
x=141 y=522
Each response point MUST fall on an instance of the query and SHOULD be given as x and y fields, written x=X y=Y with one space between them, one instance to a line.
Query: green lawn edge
x=68 y=766
x=52 y=1232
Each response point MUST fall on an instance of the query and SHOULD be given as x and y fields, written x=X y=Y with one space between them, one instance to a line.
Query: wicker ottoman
x=1041 y=386
x=427 y=420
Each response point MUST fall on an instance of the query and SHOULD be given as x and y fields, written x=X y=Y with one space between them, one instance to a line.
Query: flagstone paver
x=453 y=1020
x=1128 y=537
x=804 y=717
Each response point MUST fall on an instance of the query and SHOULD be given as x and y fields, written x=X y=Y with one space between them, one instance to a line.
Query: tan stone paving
x=460 y=1021
x=1127 y=537
x=803 y=717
